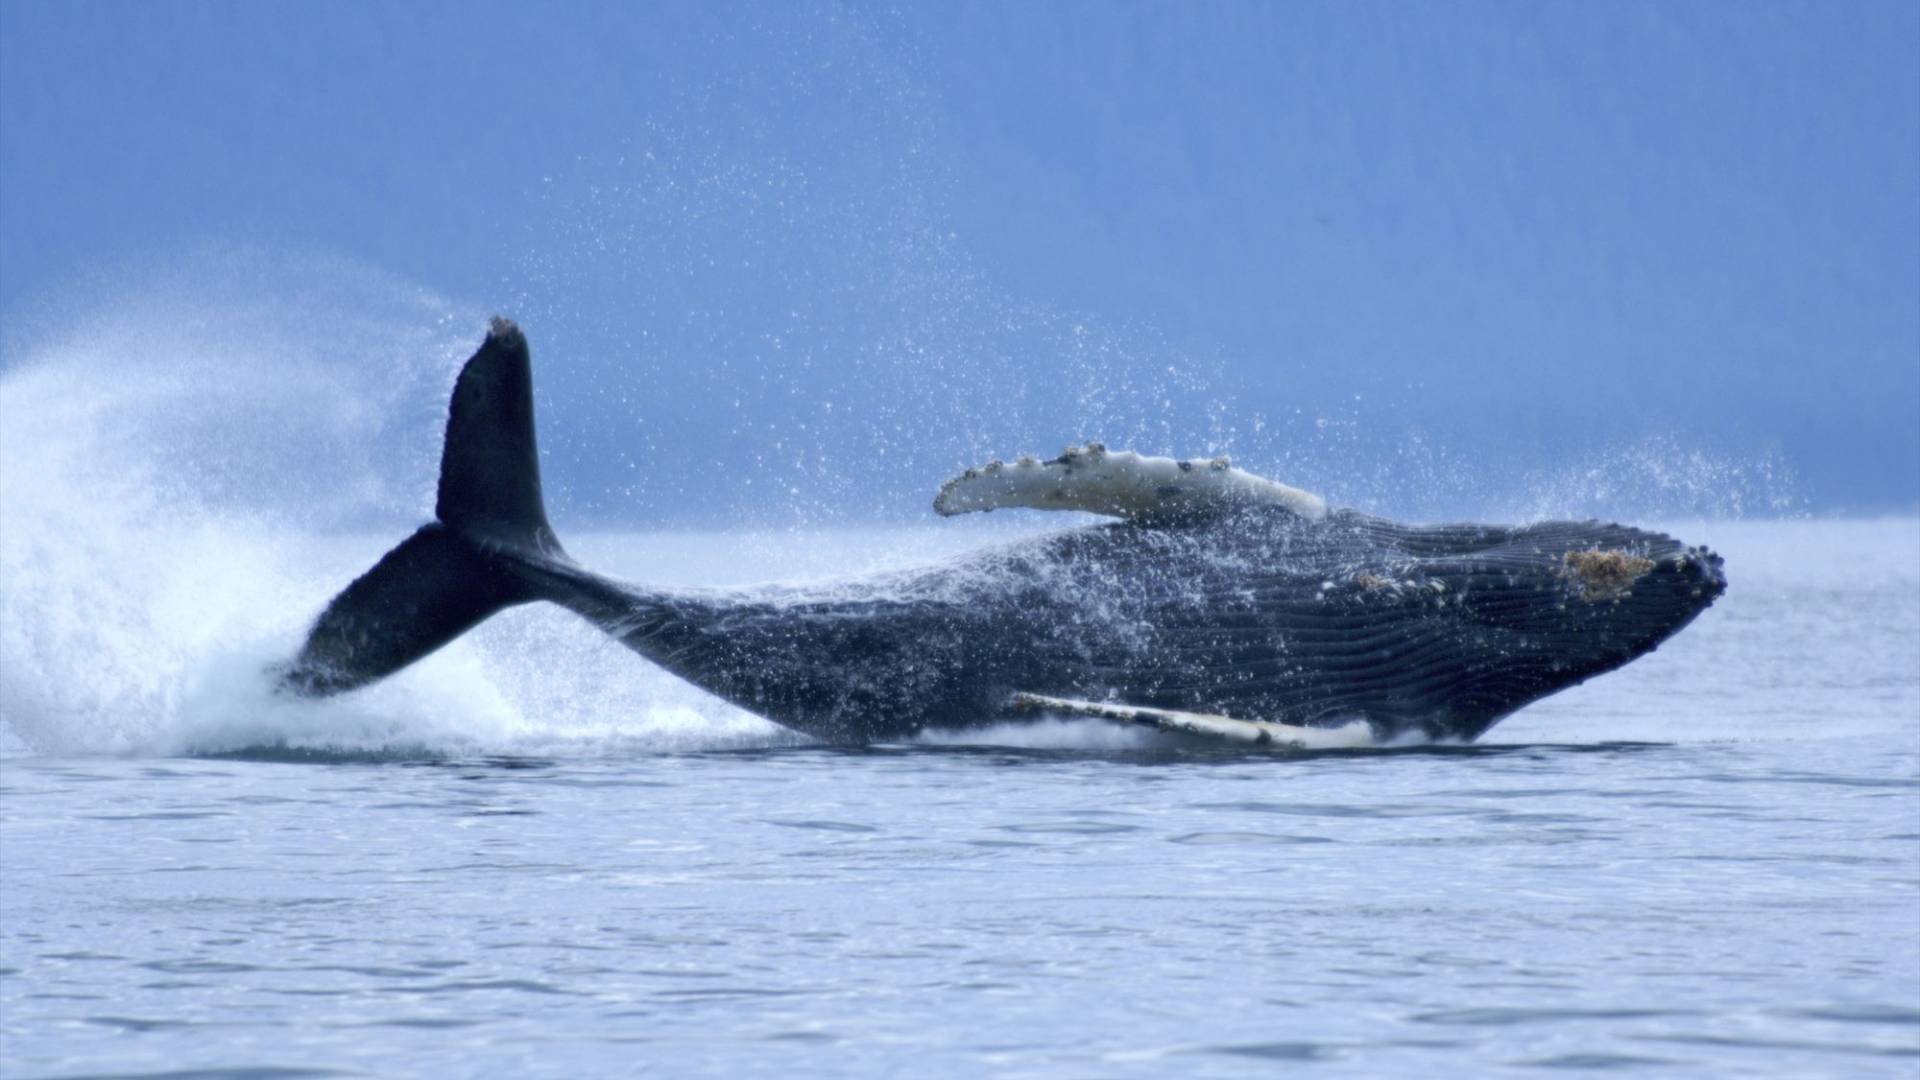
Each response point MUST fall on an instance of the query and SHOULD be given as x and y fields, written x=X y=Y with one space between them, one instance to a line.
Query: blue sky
x=1403 y=252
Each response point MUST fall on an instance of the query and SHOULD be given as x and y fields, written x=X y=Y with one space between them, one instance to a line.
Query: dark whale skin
x=1248 y=610
x=1259 y=614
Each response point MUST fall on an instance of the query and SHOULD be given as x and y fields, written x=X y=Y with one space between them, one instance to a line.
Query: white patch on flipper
x=1252 y=732
x=1119 y=483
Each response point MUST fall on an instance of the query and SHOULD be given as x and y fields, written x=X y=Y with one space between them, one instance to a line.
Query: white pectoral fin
x=1251 y=732
x=1119 y=483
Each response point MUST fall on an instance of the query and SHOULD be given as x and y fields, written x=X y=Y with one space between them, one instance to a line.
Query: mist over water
x=834 y=350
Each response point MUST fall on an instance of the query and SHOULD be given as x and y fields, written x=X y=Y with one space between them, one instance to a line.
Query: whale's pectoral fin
x=1252 y=732
x=1120 y=483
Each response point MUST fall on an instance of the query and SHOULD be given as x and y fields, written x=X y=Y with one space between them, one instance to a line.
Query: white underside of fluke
x=1119 y=483
x=1260 y=733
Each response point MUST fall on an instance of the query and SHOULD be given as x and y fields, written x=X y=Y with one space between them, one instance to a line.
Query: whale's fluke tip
x=506 y=332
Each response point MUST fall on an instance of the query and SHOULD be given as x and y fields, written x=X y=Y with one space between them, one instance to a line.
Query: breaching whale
x=1219 y=603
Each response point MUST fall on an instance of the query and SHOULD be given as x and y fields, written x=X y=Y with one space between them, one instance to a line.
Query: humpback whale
x=1217 y=603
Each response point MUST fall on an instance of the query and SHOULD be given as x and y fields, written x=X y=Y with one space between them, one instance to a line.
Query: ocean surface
x=535 y=855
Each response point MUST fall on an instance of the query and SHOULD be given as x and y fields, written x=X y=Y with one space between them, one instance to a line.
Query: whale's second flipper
x=1120 y=483
x=481 y=556
x=1262 y=733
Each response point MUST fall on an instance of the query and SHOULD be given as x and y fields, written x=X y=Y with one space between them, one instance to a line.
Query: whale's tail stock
x=474 y=560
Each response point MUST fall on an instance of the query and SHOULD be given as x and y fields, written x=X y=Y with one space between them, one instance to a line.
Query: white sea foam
x=175 y=473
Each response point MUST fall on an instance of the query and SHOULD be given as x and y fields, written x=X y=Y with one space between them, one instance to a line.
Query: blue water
x=535 y=855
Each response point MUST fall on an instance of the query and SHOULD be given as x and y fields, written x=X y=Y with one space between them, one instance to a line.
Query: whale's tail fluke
x=472 y=562
x=490 y=468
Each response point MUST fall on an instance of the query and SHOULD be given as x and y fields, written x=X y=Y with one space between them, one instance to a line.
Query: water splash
x=177 y=464
x=1662 y=477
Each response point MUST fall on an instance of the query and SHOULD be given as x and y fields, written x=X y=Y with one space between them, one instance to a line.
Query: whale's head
x=1571 y=607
